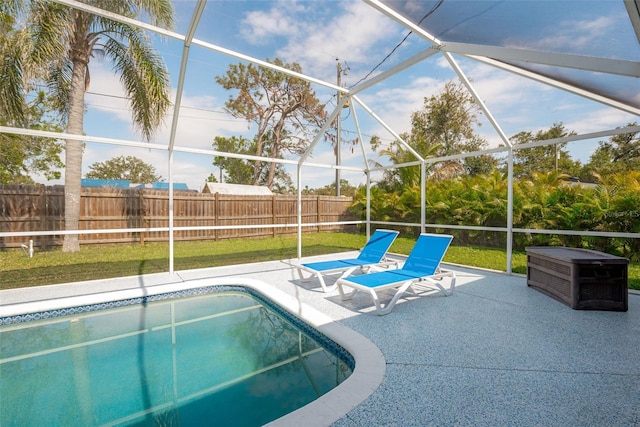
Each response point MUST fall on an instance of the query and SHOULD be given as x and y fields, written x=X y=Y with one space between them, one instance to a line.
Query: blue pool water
x=220 y=358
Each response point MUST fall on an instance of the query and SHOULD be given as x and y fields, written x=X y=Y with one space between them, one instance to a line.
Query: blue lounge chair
x=421 y=267
x=373 y=255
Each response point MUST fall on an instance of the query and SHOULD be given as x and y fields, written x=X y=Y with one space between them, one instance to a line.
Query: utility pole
x=340 y=72
x=338 y=130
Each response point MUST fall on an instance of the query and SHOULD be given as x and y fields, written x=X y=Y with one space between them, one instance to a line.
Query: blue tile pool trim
x=331 y=346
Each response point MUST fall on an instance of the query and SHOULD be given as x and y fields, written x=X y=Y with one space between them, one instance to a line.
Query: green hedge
x=547 y=201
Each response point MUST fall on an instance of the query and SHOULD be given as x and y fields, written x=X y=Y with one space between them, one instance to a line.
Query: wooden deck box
x=582 y=279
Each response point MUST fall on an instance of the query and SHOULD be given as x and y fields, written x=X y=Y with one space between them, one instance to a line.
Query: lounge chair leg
x=437 y=282
x=325 y=288
x=331 y=288
x=383 y=310
x=343 y=295
x=302 y=278
x=452 y=285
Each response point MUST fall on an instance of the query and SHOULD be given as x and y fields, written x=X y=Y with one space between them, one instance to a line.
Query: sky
x=317 y=35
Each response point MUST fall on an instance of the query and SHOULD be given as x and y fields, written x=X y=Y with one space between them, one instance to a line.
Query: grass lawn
x=118 y=260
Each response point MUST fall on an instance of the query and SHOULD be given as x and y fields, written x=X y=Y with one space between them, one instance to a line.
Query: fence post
x=42 y=206
x=216 y=214
x=141 y=214
x=318 y=215
x=274 y=216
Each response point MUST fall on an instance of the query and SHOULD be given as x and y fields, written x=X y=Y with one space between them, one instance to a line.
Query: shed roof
x=111 y=183
x=235 y=189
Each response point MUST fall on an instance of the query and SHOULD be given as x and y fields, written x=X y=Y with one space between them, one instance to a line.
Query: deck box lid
x=576 y=255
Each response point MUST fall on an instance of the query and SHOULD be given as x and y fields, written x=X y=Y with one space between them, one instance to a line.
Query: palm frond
x=159 y=12
x=143 y=75
x=58 y=83
x=11 y=78
x=51 y=26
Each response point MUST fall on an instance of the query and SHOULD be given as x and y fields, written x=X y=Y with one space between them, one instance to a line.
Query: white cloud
x=600 y=119
x=575 y=35
x=260 y=27
x=395 y=104
x=199 y=122
x=315 y=40
x=106 y=94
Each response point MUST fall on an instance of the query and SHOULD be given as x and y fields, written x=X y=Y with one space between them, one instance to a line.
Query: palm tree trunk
x=73 y=158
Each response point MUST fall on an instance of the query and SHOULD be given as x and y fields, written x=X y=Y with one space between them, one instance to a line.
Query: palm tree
x=65 y=39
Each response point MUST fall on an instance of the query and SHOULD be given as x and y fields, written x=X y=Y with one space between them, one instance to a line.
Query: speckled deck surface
x=495 y=353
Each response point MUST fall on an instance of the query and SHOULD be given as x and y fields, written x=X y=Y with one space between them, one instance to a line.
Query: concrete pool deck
x=495 y=353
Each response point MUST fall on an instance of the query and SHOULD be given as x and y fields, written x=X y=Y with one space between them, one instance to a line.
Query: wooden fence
x=41 y=208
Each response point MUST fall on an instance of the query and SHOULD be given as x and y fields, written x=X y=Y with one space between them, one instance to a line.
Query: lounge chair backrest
x=426 y=255
x=377 y=246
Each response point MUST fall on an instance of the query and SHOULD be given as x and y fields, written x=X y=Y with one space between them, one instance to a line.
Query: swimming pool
x=227 y=355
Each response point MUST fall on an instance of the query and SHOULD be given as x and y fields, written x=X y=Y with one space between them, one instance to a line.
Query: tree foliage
x=242 y=171
x=621 y=153
x=22 y=156
x=446 y=122
x=444 y=126
x=544 y=158
x=13 y=50
x=234 y=170
x=127 y=168
x=347 y=189
x=283 y=108
x=544 y=201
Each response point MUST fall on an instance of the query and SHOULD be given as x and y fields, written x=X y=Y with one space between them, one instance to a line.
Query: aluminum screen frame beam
x=558 y=84
x=193 y=25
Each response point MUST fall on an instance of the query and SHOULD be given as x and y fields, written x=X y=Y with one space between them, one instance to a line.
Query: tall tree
x=127 y=168
x=545 y=158
x=447 y=121
x=241 y=171
x=13 y=50
x=65 y=39
x=444 y=126
x=234 y=170
x=283 y=108
x=621 y=153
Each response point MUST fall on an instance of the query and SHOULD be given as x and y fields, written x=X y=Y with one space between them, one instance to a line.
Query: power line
x=208 y=110
x=433 y=9
x=182 y=116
